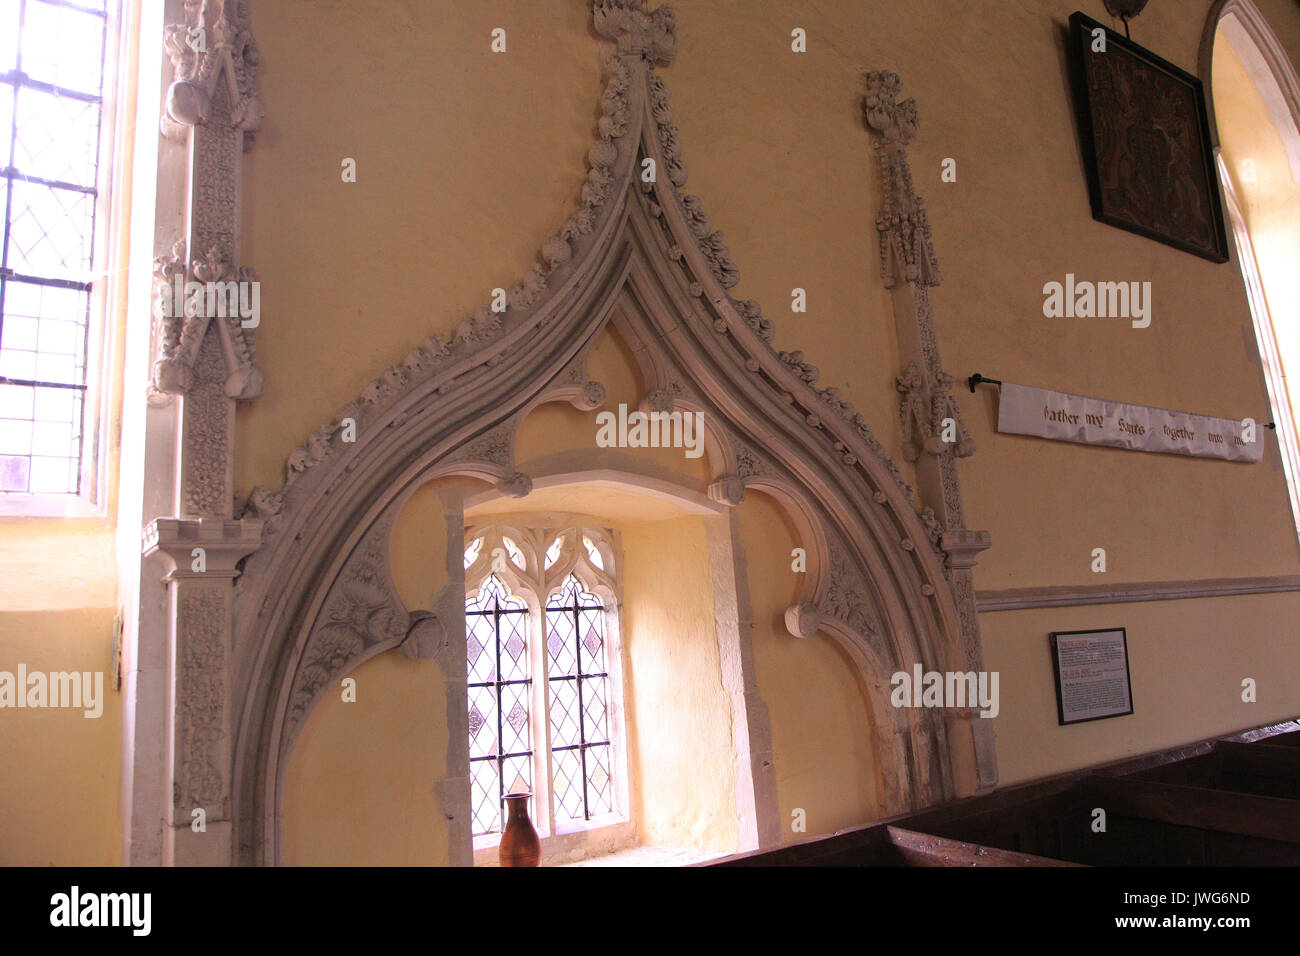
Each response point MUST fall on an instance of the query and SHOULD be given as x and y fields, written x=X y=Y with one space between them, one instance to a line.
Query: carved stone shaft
x=203 y=556
x=929 y=414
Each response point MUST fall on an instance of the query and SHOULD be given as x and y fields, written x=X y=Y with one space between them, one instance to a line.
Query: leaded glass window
x=500 y=685
x=578 y=684
x=545 y=677
x=51 y=106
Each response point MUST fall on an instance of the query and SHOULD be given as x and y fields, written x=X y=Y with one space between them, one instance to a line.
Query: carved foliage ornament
x=201 y=701
x=363 y=610
x=906 y=247
x=846 y=598
x=650 y=35
x=214 y=45
x=932 y=422
x=184 y=310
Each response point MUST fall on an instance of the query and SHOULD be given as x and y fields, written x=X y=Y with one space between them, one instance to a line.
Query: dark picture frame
x=1145 y=135
x=1056 y=673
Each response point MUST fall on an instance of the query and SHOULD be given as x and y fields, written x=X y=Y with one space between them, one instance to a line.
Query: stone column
x=203 y=363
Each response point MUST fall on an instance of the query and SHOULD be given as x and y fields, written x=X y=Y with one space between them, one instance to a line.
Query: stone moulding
x=317 y=598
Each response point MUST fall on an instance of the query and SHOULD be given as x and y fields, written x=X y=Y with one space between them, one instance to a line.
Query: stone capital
x=963 y=547
x=217 y=545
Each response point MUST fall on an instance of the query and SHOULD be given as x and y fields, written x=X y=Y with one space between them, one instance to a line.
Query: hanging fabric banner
x=1023 y=410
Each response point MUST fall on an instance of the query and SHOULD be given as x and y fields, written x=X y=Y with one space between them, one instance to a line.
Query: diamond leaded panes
x=51 y=85
x=578 y=684
x=553 y=658
x=499 y=689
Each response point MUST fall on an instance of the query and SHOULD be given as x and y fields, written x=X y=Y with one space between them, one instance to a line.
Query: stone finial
x=895 y=121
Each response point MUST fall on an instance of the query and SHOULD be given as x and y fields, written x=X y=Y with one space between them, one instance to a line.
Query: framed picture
x=1145 y=135
x=1092 y=677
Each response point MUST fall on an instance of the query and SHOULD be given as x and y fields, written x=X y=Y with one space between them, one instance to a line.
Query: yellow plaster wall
x=468 y=160
x=360 y=784
x=823 y=741
x=683 y=759
x=1187 y=660
x=59 y=788
x=558 y=427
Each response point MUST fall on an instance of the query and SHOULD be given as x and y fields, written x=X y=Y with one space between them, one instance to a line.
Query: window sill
x=13 y=505
x=574 y=842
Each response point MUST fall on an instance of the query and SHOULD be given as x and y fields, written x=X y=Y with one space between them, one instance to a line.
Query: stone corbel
x=491 y=457
x=836 y=595
x=727 y=490
x=573 y=386
x=803 y=620
x=742 y=464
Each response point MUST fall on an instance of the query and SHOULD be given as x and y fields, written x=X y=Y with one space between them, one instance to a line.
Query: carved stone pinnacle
x=638 y=32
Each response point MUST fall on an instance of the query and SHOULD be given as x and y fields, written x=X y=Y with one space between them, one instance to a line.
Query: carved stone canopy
x=645 y=259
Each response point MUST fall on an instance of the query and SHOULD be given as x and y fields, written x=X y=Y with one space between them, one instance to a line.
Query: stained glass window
x=579 y=694
x=51 y=106
x=500 y=684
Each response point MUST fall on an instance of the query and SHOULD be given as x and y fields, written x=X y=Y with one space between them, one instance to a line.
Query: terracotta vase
x=519 y=843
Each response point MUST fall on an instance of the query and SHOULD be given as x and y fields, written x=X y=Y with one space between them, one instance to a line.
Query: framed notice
x=1092 y=678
